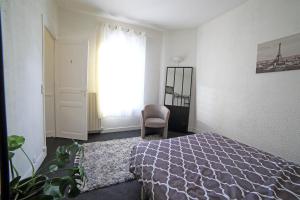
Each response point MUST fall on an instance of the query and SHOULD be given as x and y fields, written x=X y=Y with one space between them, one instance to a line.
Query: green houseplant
x=44 y=184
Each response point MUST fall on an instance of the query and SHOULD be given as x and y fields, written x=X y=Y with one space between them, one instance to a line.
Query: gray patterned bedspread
x=210 y=166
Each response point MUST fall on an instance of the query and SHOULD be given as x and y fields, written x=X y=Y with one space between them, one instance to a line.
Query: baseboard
x=95 y=131
x=120 y=129
x=133 y=128
x=199 y=130
x=50 y=133
x=201 y=127
x=194 y=130
x=37 y=163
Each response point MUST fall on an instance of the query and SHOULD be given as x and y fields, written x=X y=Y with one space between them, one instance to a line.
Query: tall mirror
x=178 y=96
x=169 y=87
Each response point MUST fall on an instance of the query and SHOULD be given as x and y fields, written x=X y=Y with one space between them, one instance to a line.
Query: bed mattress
x=211 y=166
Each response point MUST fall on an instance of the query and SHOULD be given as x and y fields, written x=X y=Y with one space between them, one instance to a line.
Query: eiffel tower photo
x=278 y=61
x=287 y=57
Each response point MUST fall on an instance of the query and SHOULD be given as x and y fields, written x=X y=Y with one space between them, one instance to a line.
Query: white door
x=71 y=89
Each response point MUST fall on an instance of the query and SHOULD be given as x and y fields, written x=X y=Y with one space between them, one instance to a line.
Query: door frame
x=45 y=27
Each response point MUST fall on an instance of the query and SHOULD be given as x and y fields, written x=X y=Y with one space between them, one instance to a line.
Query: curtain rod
x=115 y=26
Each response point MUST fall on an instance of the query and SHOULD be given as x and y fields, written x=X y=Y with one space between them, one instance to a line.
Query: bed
x=211 y=166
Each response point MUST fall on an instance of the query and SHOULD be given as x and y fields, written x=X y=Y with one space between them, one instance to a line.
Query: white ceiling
x=166 y=14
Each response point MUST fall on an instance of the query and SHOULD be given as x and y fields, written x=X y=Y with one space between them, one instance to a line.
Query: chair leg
x=165 y=133
x=143 y=132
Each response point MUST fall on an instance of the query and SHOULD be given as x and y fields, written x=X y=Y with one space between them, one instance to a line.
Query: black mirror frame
x=3 y=128
x=169 y=90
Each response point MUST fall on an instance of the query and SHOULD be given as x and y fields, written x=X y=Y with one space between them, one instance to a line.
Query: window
x=120 y=71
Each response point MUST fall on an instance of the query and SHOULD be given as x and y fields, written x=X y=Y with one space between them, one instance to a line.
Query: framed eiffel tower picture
x=279 y=55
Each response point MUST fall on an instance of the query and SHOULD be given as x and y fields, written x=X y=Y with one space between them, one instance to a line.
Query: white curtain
x=120 y=71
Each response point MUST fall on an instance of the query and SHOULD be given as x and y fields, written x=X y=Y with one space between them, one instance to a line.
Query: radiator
x=94 y=123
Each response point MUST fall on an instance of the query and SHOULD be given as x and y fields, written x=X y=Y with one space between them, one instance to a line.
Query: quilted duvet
x=211 y=166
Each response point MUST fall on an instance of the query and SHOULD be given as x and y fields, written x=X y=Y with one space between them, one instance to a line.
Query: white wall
x=180 y=43
x=75 y=25
x=261 y=110
x=22 y=36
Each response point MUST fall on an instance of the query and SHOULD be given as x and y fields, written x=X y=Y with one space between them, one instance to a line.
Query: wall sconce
x=177 y=59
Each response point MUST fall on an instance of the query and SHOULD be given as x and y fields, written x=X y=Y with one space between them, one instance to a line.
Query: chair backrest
x=154 y=111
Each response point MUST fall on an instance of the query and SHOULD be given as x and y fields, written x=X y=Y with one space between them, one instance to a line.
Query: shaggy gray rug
x=107 y=162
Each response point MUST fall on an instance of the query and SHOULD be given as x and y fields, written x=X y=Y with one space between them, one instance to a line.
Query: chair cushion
x=155 y=123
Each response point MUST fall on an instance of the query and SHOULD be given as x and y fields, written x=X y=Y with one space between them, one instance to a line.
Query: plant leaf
x=65 y=182
x=53 y=168
x=75 y=147
x=13 y=183
x=40 y=187
x=10 y=155
x=51 y=190
x=15 y=142
x=62 y=156
x=43 y=197
x=74 y=191
x=56 y=181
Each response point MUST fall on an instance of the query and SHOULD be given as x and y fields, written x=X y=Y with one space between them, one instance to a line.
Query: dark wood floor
x=123 y=191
